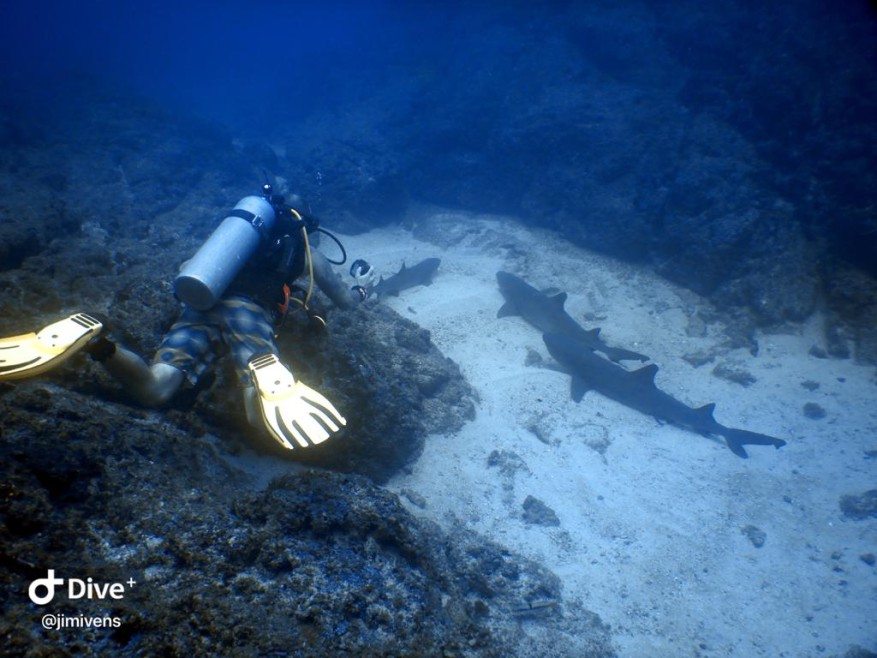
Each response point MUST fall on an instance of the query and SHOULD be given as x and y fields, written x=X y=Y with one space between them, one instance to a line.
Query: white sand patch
x=651 y=516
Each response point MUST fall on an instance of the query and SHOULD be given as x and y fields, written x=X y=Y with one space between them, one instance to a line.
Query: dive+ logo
x=42 y=590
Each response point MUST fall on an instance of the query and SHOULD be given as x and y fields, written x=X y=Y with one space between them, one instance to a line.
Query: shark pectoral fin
x=506 y=310
x=432 y=265
x=578 y=388
x=736 y=439
x=736 y=448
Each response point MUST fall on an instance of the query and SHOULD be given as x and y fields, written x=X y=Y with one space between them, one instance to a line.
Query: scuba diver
x=236 y=290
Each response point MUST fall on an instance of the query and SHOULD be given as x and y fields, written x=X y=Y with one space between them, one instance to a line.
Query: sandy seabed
x=658 y=527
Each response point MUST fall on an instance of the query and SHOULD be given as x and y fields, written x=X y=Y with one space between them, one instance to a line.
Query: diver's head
x=301 y=210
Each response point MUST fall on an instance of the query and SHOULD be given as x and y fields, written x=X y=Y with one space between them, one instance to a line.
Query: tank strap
x=257 y=221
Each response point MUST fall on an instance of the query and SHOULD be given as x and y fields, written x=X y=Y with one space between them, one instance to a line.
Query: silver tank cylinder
x=203 y=278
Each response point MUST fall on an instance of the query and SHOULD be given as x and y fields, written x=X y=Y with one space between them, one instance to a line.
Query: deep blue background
x=226 y=60
x=205 y=57
x=715 y=141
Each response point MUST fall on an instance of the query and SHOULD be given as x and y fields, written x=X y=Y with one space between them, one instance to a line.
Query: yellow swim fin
x=35 y=353
x=296 y=415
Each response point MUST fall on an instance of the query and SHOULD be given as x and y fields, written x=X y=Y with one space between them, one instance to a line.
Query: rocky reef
x=228 y=544
x=317 y=563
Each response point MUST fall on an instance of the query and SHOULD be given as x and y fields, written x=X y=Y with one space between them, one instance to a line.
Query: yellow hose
x=308 y=260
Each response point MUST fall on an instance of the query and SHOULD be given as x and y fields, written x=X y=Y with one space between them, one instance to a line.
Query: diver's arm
x=331 y=283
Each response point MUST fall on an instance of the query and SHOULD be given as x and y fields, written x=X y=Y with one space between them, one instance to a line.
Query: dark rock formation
x=814 y=411
x=316 y=564
x=131 y=229
x=538 y=513
x=755 y=535
x=859 y=507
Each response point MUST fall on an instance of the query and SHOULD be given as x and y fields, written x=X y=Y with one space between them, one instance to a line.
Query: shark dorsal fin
x=559 y=299
x=707 y=410
x=647 y=373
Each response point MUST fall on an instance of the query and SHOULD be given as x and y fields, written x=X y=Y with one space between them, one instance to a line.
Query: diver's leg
x=185 y=353
x=152 y=385
x=293 y=414
x=247 y=330
x=34 y=353
x=330 y=282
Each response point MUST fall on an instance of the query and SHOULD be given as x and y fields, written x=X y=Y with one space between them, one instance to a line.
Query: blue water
x=227 y=61
x=554 y=110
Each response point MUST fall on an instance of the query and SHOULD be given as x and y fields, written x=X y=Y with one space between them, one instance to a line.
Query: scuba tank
x=203 y=278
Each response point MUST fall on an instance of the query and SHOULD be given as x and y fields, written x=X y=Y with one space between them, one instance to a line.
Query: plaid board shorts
x=195 y=340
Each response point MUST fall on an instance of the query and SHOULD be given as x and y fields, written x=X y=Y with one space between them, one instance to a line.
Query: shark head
x=507 y=282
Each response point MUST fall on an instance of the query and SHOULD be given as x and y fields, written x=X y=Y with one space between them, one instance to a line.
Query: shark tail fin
x=736 y=439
